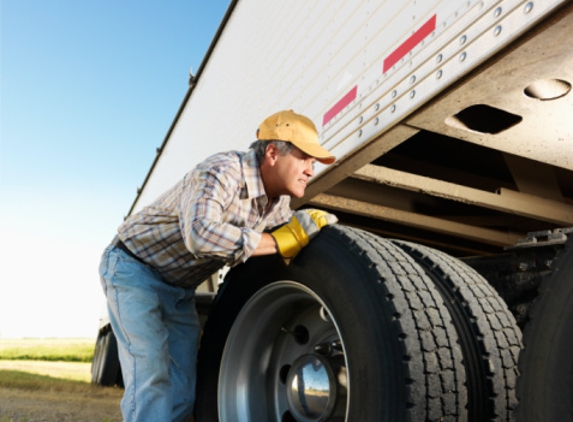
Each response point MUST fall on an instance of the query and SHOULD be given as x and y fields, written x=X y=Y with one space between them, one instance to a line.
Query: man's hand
x=303 y=226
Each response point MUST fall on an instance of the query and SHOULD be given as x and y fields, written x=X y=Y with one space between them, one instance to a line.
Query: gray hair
x=261 y=146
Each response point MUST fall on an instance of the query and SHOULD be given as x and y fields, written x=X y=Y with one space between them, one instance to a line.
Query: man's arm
x=303 y=227
x=267 y=246
x=307 y=225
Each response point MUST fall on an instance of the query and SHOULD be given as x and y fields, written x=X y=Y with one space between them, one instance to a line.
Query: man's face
x=289 y=173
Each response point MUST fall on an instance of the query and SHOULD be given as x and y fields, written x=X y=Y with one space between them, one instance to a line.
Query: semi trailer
x=445 y=292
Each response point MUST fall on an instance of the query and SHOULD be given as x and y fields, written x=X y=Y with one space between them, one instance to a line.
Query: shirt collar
x=254 y=187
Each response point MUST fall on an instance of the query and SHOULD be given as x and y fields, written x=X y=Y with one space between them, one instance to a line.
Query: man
x=218 y=214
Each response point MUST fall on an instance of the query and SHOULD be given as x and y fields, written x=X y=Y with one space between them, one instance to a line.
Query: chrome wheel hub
x=311 y=389
x=284 y=360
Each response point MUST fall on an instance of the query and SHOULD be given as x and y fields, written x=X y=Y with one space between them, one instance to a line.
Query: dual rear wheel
x=357 y=328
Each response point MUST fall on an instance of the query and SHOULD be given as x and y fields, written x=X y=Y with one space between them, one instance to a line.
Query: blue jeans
x=157 y=331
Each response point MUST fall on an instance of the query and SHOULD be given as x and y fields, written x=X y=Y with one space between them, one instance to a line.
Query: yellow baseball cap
x=299 y=130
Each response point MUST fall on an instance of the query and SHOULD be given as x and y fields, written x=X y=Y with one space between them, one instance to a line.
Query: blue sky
x=88 y=90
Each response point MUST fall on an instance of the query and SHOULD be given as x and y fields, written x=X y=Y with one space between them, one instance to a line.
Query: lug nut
x=323 y=349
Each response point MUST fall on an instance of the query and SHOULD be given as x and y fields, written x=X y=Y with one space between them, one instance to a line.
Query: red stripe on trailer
x=410 y=43
x=339 y=106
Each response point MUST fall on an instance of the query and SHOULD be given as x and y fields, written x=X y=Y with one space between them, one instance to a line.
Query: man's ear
x=271 y=154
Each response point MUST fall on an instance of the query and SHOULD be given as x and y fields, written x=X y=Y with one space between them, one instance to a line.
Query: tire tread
x=492 y=338
x=431 y=352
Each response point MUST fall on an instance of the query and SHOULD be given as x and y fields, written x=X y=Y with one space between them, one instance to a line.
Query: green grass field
x=39 y=363
x=65 y=350
x=25 y=380
x=52 y=366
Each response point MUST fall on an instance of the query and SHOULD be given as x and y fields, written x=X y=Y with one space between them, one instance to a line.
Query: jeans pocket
x=107 y=267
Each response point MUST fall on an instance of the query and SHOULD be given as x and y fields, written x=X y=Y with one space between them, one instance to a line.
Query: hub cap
x=284 y=360
x=311 y=389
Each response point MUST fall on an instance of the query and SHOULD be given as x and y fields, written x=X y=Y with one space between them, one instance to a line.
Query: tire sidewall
x=546 y=384
x=352 y=292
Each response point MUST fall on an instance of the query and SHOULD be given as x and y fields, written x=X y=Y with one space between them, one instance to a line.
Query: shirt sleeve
x=211 y=224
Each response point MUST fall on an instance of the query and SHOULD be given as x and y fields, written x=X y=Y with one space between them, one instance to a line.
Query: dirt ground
x=100 y=405
x=89 y=404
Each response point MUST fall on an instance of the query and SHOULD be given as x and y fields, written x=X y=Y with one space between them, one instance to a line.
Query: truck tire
x=545 y=386
x=106 y=369
x=351 y=330
x=489 y=336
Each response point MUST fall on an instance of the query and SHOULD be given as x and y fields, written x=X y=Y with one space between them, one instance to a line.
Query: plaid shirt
x=214 y=216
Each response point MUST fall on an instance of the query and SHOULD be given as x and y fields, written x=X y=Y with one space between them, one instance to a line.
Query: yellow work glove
x=303 y=226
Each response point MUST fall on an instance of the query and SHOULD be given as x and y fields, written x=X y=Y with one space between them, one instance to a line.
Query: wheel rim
x=284 y=360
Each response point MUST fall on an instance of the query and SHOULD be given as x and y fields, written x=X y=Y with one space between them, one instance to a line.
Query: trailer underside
x=478 y=167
